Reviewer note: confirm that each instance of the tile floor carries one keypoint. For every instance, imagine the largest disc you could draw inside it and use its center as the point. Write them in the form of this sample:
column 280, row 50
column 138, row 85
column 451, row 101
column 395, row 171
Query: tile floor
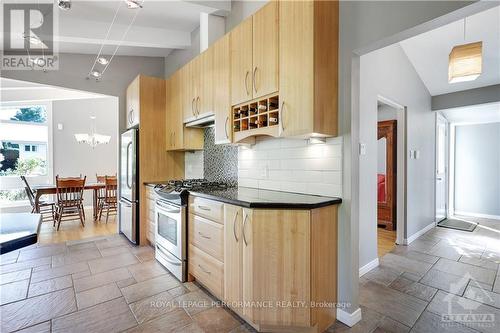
column 105, row 285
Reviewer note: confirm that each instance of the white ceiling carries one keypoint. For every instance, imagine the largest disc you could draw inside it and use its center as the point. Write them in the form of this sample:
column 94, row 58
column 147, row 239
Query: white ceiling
column 159, row 27
column 477, row 114
column 14, row 91
column 429, row 52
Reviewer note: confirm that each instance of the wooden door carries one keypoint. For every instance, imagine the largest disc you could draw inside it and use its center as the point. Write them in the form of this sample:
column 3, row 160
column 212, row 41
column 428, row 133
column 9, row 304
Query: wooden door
column 247, row 260
column 169, row 114
column 265, row 50
column 241, row 62
column 276, row 265
column 133, row 103
column 196, row 78
column 221, row 92
column 296, row 66
column 386, row 209
column 233, row 266
column 177, row 118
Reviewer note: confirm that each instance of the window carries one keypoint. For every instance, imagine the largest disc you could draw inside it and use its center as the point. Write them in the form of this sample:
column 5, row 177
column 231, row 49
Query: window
column 25, row 131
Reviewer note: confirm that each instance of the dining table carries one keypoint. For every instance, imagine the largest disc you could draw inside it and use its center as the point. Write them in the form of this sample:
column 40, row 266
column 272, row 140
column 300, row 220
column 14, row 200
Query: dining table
column 52, row 189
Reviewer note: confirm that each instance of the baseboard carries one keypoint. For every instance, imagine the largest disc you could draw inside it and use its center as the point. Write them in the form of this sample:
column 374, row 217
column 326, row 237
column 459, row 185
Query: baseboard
column 486, row 216
column 419, row 233
column 350, row 319
column 368, row 267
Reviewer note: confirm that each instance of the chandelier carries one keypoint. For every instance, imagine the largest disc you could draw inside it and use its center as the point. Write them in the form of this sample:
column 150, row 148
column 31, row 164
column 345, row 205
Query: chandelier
column 93, row 139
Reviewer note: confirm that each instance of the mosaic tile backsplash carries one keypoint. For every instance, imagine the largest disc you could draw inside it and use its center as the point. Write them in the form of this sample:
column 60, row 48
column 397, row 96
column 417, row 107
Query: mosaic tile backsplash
column 220, row 162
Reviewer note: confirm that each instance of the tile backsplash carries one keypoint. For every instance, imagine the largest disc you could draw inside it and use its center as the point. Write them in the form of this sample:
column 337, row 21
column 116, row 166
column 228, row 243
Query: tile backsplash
column 292, row 166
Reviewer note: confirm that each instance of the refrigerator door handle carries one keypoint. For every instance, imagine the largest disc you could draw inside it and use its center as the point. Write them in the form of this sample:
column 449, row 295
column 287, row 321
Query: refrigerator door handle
column 127, row 176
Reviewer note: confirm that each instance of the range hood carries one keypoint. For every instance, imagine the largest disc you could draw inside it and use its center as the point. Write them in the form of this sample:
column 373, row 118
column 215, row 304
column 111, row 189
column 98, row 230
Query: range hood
column 202, row 121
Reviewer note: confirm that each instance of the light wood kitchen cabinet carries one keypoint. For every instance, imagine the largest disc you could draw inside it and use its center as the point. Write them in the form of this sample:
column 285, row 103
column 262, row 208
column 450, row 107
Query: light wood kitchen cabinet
column 308, row 68
column 222, row 91
column 241, row 62
column 133, row 104
column 150, row 215
column 177, row 136
column 205, row 98
column 187, row 93
column 233, row 247
column 254, row 55
column 265, row 26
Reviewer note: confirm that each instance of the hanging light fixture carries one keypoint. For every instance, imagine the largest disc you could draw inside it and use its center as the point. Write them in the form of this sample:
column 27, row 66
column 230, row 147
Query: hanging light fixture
column 465, row 61
column 64, row 4
column 92, row 139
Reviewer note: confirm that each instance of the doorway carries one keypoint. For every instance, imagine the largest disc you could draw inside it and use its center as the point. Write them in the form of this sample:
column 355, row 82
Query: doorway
column 441, row 168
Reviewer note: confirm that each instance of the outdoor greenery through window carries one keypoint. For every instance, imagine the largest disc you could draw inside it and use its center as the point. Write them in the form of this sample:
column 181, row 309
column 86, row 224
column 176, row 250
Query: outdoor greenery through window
column 24, row 134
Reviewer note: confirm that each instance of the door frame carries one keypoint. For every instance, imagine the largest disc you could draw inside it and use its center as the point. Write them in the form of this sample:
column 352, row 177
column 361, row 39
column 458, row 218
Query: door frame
column 401, row 166
column 439, row 117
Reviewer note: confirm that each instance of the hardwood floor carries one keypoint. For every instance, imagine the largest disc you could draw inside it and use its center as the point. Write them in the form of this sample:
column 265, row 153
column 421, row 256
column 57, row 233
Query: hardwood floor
column 73, row 230
column 386, row 241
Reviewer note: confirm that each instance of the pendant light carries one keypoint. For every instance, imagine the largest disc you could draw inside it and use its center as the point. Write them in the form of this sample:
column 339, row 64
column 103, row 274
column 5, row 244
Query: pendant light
column 465, row 61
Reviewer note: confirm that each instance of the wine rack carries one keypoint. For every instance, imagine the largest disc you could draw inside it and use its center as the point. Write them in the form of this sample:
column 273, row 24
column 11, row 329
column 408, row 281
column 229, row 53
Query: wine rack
column 257, row 117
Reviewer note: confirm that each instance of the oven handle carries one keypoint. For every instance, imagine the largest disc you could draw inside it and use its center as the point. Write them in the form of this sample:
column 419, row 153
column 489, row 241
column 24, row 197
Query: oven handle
column 163, row 253
column 167, row 208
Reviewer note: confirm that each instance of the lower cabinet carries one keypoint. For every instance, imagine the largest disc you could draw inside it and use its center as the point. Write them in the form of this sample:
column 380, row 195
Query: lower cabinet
column 150, row 215
column 279, row 266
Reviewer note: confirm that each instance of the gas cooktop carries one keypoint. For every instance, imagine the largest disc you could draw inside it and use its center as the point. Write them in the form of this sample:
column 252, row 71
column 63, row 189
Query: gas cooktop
column 177, row 191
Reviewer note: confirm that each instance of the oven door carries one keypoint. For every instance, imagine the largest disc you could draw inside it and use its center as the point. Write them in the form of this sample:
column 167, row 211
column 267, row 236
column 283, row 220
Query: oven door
column 171, row 228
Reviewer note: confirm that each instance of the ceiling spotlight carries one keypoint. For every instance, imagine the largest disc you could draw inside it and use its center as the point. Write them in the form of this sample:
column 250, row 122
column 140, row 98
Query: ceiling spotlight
column 64, row 4
column 102, row 61
column 133, row 4
column 95, row 74
column 38, row 61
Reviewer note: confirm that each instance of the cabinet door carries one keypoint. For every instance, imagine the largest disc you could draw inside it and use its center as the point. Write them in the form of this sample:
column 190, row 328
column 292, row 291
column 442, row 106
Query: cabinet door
column 296, row 66
column 276, row 265
column 196, row 78
column 177, row 120
column 206, row 82
column 169, row 115
column 241, row 62
column 133, row 103
column 186, row 93
column 221, row 93
column 233, row 289
column 265, row 50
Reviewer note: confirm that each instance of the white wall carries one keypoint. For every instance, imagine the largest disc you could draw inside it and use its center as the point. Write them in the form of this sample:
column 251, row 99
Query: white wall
column 72, row 158
column 477, row 169
column 388, row 72
column 292, row 166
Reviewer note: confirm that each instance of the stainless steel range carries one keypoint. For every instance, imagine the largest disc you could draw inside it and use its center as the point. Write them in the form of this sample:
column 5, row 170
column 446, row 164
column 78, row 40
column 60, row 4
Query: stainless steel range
column 171, row 222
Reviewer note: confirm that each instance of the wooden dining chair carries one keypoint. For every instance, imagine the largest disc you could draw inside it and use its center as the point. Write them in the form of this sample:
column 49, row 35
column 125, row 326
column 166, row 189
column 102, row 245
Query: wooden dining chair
column 101, row 193
column 46, row 207
column 110, row 197
column 69, row 192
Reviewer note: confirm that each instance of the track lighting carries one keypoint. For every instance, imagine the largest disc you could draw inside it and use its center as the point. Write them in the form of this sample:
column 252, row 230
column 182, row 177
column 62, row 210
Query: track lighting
column 102, row 61
column 95, row 74
column 64, row 4
column 133, row 4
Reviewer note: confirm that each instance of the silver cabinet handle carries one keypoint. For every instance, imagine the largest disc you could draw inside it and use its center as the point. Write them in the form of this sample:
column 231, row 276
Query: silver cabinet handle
column 225, row 127
column 282, row 111
column 127, row 161
column 234, row 226
column 204, row 271
column 131, row 116
column 202, row 235
column 253, row 79
column 198, row 102
column 246, row 82
column 243, row 229
column 193, row 107
column 204, row 208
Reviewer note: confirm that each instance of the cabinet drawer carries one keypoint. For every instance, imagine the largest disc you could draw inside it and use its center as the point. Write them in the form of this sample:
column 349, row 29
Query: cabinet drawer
column 209, row 209
column 207, row 270
column 207, row 235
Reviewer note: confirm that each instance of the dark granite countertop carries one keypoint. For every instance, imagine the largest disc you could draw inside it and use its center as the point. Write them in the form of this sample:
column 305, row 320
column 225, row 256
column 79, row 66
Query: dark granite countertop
column 153, row 183
column 256, row 198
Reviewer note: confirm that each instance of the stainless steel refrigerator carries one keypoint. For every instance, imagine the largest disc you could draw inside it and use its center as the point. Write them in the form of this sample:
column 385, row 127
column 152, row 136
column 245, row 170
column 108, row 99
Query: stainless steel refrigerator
column 129, row 185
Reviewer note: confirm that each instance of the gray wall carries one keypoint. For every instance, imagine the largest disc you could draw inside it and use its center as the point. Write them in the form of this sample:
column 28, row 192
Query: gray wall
column 73, row 69
column 476, row 96
column 477, row 169
column 389, row 73
column 178, row 58
column 72, row 158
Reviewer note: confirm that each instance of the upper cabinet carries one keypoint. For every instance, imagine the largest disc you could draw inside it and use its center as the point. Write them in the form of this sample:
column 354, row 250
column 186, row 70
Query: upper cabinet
column 221, row 90
column 133, row 104
column 254, row 55
column 308, row 68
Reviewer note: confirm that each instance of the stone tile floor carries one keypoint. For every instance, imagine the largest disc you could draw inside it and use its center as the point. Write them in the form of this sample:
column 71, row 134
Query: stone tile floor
column 106, row 285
